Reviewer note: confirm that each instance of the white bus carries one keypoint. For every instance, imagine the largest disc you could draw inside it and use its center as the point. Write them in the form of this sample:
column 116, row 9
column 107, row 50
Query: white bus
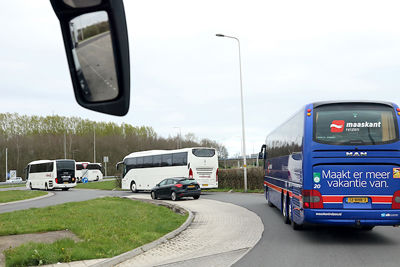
column 92, row 171
column 51, row 174
column 143, row 170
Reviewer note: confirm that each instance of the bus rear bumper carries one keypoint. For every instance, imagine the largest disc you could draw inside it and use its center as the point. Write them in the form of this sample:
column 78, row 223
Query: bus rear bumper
column 352, row 217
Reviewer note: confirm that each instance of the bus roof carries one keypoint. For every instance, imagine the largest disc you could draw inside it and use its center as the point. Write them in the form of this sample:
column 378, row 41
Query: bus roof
column 321, row 103
column 46, row 161
column 159, row 152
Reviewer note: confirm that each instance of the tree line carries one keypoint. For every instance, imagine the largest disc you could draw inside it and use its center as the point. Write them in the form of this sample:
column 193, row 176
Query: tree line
column 29, row 138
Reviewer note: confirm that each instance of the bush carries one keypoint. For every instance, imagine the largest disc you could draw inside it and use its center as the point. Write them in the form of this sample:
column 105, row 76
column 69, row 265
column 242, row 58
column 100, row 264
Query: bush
column 233, row 178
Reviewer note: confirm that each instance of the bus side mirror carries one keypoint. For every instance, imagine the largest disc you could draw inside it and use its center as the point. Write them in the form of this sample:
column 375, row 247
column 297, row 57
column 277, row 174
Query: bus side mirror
column 261, row 155
column 96, row 43
column 118, row 164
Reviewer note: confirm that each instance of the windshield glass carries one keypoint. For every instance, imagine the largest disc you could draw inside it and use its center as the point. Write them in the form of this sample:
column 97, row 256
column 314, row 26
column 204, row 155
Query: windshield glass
column 187, row 181
column 93, row 167
column 355, row 124
column 205, row 153
column 65, row 165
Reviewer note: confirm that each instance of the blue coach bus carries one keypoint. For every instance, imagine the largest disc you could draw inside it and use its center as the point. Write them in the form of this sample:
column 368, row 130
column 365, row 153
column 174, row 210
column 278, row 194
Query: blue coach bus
column 336, row 163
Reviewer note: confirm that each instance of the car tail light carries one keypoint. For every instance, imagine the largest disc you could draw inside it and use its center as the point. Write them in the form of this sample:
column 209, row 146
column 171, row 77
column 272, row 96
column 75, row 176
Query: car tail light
column 217, row 175
column 190, row 173
column 179, row 185
column 56, row 180
column 396, row 200
column 312, row 199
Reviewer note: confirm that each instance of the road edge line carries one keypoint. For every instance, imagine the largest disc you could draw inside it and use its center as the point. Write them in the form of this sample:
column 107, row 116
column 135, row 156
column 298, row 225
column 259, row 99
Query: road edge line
column 49, row 194
column 137, row 251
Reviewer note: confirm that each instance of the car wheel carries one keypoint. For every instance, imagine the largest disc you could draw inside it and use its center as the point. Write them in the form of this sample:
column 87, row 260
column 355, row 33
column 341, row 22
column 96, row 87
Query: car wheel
column 153, row 195
column 174, row 197
column 285, row 209
column 196, row 197
column 133, row 187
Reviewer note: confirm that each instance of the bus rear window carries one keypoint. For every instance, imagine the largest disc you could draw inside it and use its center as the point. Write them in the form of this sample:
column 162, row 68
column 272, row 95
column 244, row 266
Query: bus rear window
column 65, row 165
column 204, row 153
column 355, row 124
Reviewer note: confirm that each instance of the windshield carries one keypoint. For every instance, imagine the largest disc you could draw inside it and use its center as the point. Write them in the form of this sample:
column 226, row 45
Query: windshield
column 355, row 124
column 204, row 153
column 65, row 165
column 93, row 167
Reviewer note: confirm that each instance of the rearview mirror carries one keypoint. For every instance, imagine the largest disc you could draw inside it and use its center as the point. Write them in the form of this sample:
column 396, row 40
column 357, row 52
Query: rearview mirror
column 96, row 43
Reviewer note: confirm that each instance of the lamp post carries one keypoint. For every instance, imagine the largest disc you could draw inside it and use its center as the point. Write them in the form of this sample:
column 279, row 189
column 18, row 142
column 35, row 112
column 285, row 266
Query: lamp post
column 242, row 109
column 179, row 142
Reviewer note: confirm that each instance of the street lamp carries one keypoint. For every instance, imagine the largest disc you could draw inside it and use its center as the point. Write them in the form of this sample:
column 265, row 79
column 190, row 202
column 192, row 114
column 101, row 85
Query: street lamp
column 241, row 102
column 179, row 142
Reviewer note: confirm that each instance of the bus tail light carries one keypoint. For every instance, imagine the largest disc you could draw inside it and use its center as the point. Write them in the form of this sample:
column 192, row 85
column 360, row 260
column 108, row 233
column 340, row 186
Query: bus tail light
column 217, row 175
column 179, row 185
column 312, row 199
column 396, row 200
column 56, row 180
column 190, row 173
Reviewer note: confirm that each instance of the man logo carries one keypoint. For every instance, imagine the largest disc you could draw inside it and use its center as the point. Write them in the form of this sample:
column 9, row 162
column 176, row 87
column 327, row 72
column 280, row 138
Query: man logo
column 337, row 126
column 356, row 154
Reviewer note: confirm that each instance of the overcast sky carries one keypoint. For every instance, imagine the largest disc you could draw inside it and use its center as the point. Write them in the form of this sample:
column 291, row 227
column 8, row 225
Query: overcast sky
column 293, row 53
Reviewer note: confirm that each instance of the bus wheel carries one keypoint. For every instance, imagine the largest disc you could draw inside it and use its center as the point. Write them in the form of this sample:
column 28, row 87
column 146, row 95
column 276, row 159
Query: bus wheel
column 269, row 203
column 46, row 187
column 153, row 195
column 296, row 226
column 65, row 189
column 367, row 227
column 30, row 186
column 285, row 209
column 174, row 197
column 133, row 187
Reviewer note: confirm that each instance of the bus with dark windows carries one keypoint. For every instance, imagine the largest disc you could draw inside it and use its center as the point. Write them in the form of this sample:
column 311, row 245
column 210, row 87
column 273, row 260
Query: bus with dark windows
column 336, row 163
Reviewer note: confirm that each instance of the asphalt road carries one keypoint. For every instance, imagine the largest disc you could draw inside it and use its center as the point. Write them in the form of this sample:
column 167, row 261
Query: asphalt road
column 280, row 245
column 97, row 62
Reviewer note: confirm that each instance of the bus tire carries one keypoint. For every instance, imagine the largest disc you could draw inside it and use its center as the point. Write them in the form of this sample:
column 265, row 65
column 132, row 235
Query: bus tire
column 46, row 188
column 269, row 203
column 30, row 186
column 133, row 187
column 367, row 227
column 285, row 213
column 153, row 195
column 64, row 189
column 174, row 197
column 296, row 226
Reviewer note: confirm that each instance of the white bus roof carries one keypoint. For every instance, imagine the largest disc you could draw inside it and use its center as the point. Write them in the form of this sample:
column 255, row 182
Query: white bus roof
column 159, row 152
column 45, row 161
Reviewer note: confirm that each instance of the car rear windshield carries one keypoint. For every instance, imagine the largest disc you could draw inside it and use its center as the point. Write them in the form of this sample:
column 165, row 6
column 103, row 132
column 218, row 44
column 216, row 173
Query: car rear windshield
column 187, row 181
column 204, row 153
column 355, row 124
column 65, row 165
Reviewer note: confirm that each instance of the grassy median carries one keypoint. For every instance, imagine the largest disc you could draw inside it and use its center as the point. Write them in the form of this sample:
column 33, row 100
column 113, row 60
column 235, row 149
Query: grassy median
column 12, row 185
column 15, row 195
column 106, row 185
column 106, row 226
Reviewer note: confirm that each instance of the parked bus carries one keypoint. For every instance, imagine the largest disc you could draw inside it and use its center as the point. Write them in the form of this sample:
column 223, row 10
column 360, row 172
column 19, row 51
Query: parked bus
column 336, row 163
column 143, row 170
column 92, row 171
column 51, row 174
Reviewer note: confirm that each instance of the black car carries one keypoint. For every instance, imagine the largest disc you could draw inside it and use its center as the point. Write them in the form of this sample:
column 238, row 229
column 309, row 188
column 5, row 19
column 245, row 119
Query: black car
column 175, row 188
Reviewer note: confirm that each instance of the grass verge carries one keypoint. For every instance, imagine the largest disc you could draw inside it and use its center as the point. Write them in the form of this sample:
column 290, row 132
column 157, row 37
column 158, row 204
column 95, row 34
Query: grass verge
column 12, row 185
column 106, row 185
column 15, row 195
column 234, row 190
column 106, row 226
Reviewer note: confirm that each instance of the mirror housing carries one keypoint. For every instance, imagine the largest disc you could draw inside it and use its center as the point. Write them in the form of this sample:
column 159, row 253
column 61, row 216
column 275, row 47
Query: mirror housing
column 118, row 105
column 263, row 153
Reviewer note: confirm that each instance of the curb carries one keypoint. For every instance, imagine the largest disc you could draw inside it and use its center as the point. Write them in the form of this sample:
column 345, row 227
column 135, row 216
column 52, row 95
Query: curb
column 137, row 251
column 49, row 194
